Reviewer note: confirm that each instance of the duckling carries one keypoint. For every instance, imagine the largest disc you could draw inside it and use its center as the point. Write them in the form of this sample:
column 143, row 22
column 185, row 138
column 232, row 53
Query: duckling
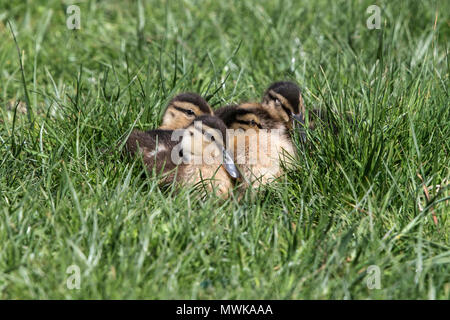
column 193, row 155
column 179, row 113
column 258, row 141
column 281, row 106
column 182, row 109
column 283, row 101
column 247, row 116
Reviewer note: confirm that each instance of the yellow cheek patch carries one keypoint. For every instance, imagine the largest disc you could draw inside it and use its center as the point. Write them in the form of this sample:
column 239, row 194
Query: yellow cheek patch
column 248, row 117
column 174, row 119
column 249, row 120
column 250, row 105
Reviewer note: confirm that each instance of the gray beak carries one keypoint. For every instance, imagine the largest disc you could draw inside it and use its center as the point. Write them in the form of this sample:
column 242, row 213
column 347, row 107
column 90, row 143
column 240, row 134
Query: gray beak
column 298, row 117
column 229, row 165
column 298, row 122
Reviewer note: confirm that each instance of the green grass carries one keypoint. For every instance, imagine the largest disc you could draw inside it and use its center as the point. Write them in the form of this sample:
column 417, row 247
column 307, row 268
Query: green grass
column 354, row 199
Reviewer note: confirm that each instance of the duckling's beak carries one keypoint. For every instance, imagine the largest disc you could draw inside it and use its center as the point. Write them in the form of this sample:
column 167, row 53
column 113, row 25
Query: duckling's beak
column 298, row 117
column 298, row 122
column 229, row 165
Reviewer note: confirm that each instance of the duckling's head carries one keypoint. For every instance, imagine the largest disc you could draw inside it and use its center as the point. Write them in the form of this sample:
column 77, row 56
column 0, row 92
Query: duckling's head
column 183, row 109
column 283, row 101
column 248, row 116
column 204, row 140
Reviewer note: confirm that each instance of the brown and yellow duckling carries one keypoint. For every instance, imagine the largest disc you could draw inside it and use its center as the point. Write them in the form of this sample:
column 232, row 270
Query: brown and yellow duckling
column 283, row 101
column 193, row 155
column 156, row 144
column 258, row 142
column 269, row 123
column 182, row 110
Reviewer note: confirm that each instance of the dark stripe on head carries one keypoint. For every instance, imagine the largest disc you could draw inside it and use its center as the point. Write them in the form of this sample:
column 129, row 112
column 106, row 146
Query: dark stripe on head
column 249, row 123
column 290, row 91
column 236, row 114
column 285, row 108
column 194, row 99
column 188, row 112
column 230, row 113
column 214, row 123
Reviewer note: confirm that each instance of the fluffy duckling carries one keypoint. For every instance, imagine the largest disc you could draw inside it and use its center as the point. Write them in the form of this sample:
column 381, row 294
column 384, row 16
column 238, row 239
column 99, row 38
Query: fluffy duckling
column 281, row 106
column 196, row 154
column 283, row 101
column 182, row 110
column 259, row 142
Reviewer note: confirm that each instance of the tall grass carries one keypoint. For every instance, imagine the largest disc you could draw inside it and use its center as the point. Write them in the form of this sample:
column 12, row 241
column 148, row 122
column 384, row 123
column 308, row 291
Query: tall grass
column 375, row 193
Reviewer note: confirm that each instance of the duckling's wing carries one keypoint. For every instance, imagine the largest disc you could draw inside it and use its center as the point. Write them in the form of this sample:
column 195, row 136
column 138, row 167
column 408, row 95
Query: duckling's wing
column 155, row 146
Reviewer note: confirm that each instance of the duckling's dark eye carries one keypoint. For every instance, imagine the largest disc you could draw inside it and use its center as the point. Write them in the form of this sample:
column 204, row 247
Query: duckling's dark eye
column 252, row 123
column 189, row 112
column 212, row 138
